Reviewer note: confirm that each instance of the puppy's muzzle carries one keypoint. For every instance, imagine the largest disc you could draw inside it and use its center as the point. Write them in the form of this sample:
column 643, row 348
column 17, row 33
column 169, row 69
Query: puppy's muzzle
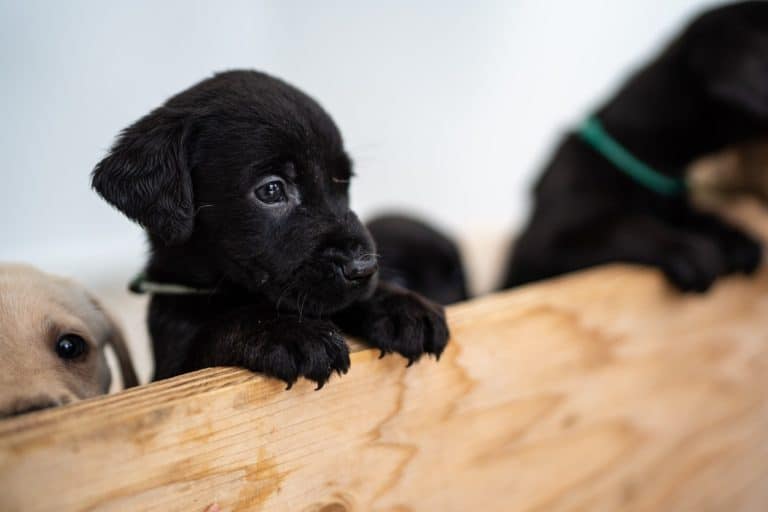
column 31, row 404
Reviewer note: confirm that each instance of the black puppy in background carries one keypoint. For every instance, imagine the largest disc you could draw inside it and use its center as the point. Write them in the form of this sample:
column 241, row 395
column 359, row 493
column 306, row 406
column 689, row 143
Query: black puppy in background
column 241, row 183
column 707, row 90
column 416, row 256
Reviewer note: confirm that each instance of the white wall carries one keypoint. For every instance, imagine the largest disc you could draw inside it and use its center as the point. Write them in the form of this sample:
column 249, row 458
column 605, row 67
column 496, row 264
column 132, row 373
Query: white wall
column 448, row 108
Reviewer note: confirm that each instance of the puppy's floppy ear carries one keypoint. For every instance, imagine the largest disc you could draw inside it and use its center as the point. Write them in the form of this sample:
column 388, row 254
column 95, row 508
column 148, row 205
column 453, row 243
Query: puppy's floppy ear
column 744, row 86
column 105, row 328
column 732, row 69
column 127, row 370
column 116, row 339
column 146, row 175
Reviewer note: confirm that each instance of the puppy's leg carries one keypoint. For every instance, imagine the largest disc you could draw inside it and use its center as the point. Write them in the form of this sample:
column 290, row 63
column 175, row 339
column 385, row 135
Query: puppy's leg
column 689, row 259
column 397, row 320
column 742, row 253
column 284, row 347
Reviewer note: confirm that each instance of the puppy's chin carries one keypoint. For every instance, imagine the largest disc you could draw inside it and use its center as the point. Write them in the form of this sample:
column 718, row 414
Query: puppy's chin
column 321, row 298
column 366, row 290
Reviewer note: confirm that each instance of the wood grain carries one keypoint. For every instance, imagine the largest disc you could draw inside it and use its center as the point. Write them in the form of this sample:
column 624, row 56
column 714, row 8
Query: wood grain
column 602, row 391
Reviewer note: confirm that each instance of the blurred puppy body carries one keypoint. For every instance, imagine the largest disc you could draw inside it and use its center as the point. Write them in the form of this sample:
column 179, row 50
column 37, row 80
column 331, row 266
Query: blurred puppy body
column 52, row 338
column 707, row 90
column 241, row 183
column 416, row 256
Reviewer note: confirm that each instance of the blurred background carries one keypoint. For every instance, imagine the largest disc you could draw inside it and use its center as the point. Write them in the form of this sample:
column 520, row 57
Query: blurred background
column 448, row 108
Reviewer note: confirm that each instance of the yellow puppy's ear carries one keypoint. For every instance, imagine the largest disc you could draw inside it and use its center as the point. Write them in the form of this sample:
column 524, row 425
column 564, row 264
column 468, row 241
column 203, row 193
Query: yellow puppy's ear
column 116, row 339
column 127, row 370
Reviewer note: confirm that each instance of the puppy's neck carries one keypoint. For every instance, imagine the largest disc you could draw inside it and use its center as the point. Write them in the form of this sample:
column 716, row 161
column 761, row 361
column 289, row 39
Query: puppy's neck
column 187, row 265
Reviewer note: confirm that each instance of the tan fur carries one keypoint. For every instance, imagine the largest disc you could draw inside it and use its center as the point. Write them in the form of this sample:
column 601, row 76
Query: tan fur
column 35, row 310
column 741, row 169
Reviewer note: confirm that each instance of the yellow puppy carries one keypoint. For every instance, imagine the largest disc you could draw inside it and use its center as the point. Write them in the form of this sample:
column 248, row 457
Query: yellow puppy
column 52, row 339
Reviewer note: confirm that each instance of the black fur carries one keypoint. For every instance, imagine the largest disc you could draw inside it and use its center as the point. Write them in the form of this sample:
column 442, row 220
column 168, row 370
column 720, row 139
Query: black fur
column 286, row 274
column 707, row 90
column 416, row 256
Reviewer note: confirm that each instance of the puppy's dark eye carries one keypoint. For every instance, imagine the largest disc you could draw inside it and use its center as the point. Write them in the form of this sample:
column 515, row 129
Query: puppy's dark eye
column 271, row 193
column 71, row 346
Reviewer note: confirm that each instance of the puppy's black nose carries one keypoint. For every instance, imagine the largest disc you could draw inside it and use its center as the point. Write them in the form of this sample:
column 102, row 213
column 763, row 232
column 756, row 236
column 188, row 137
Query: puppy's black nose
column 359, row 268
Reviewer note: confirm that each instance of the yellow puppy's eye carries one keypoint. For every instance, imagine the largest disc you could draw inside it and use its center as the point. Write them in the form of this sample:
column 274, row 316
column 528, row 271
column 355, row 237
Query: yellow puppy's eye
column 71, row 346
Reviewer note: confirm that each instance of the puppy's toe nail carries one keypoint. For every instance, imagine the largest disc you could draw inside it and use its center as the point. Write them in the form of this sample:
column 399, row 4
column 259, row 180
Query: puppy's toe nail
column 289, row 386
column 382, row 354
column 411, row 360
column 320, row 385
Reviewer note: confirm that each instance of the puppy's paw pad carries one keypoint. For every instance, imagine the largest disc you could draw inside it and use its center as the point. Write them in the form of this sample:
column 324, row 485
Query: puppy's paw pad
column 313, row 350
column 323, row 355
column 277, row 361
column 409, row 325
column 744, row 254
column 686, row 277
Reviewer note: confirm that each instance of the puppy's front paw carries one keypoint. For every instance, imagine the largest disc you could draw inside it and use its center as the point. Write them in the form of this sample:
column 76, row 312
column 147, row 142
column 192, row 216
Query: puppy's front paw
column 312, row 349
column 397, row 320
column 710, row 248
column 743, row 254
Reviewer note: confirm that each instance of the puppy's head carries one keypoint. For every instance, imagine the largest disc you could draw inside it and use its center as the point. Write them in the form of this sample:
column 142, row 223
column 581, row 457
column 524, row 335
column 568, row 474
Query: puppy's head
column 418, row 257
column 52, row 336
column 723, row 51
column 707, row 90
column 247, row 177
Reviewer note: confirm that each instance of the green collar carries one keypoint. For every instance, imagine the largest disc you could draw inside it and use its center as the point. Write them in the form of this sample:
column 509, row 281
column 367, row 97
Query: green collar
column 593, row 133
column 140, row 284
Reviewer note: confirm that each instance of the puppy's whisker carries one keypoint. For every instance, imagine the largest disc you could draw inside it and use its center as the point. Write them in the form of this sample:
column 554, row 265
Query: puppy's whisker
column 281, row 297
column 302, row 302
column 283, row 294
column 197, row 210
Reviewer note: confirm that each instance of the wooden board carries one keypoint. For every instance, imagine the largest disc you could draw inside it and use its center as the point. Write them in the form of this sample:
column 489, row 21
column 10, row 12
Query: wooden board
column 602, row 391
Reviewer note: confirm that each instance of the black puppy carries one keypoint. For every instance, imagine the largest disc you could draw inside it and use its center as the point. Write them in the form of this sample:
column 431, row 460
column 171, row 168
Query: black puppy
column 416, row 256
column 242, row 185
column 614, row 192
